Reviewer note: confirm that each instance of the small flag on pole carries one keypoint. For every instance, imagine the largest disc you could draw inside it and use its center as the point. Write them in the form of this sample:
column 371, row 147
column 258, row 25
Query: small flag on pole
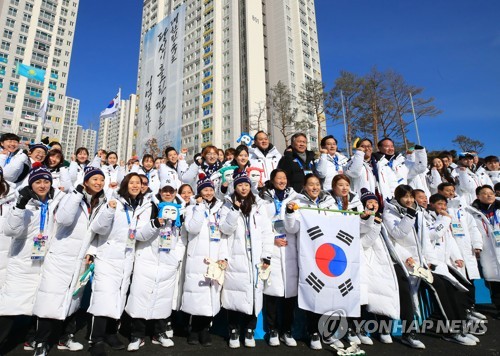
column 42, row 113
column 113, row 106
column 30, row 72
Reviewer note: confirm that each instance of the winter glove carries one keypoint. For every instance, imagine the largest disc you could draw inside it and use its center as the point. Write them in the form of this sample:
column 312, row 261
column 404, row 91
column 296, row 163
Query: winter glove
column 411, row 212
column 25, row 195
column 418, row 147
column 197, row 159
column 79, row 188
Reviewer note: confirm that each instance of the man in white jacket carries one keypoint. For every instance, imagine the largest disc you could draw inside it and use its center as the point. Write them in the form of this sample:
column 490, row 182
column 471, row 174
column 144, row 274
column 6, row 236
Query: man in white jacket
column 468, row 181
column 264, row 155
column 331, row 162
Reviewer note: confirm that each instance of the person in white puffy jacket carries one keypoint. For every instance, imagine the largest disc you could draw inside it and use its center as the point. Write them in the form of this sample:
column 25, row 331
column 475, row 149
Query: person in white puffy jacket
column 467, row 180
column 113, row 173
column 30, row 224
column 264, row 155
column 78, row 163
column 492, row 168
column 201, row 295
column 148, row 169
column 125, row 220
column 283, row 288
column 362, row 168
column 248, row 229
column 176, row 162
column 7, row 200
column 66, row 260
column 330, row 162
column 60, row 175
column 311, row 196
column 13, row 160
column 156, row 271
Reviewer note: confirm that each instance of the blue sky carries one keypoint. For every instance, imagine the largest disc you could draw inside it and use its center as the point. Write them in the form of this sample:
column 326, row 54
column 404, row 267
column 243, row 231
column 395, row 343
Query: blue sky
column 451, row 48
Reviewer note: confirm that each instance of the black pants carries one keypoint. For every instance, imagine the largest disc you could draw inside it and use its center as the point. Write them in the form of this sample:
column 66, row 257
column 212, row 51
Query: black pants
column 271, row 312
column 45, row 328
column 405, row 299
column 234, row 318
column 199, row 323
column 139, row 327
column 312, row 321
column 494, row 288
column 102, row 326
column 6, row 323
column 469, row 297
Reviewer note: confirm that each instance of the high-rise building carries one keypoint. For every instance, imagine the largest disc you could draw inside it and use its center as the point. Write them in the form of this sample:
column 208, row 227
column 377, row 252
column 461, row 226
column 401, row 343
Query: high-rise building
column 67, row 137
column 234, row 52
column 86, row 138
column 116, row 132
column 39, row 34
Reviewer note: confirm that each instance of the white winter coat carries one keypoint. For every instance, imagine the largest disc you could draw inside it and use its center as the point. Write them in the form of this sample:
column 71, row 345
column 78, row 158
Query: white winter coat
column 328, row 167
column 201, row 296
column 18, row 293
column 6, row 203
column 62, row 179
column 18, row 165
column 490, row 255
column 285, row 272
column 113, row 260
column 112, row 174
column 360, row 173
column 155, row 276
column 77, row 170
column 153, row 176
column 65, row 260
column 268, row 162
column 242, row 290
column 467, row 182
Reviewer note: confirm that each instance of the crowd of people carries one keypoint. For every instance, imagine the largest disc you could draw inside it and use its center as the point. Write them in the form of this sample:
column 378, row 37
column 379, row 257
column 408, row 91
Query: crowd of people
column 160, row 235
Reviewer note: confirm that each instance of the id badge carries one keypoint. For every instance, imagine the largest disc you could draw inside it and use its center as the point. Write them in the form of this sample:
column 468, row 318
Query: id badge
column 165, row 240
column 279, row 229
column 214, row 232
column 306, row 172
column 131, row 239
column 496, row 235
column 39, row 247
column 457, row 229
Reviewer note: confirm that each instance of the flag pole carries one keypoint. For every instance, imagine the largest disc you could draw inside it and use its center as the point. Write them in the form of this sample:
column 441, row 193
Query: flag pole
column 335, row 211
column 414, row 118
column 345, row 124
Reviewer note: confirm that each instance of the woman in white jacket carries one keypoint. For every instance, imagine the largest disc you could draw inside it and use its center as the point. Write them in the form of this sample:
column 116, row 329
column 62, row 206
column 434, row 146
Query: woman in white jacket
column 60, row 174
column 311, row 196
column 125, row 219
column 331, row 162
column 7, row 200
column 156, row 269
column 250, row 246
column 201, row 295
column 30, row 224
column 285, row 276
column 66, row 260
column 113, row 173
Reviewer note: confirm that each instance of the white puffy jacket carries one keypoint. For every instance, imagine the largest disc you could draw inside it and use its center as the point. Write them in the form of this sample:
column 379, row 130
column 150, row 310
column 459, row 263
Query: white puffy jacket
column 328, row 167
column 6, row 203
column 153, row 176
column 268, row 162
column 242, row 290
column 201, row 296
column 361, row 174
column 65, row 260
column 18, row 293
column 17, row 168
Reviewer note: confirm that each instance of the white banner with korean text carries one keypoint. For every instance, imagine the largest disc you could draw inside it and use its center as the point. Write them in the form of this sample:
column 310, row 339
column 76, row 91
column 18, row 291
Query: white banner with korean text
column 161, row 86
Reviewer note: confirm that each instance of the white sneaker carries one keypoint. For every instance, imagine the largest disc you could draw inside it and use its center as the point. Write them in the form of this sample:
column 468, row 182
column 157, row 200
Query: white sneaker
column 333, row 341
column 477, row 314
column 472, row 337
column 234, row 340
column 249, row 340
column 315, row 342
column 476, row 327
column 364, row 338
column 460, row 339
column 352, row 337
column 135, row 344
column 29, row 346
column 274, row 339
column 386, row 338
column 412, row 341
column 169, row 331
column 288, row 339
column 163, row 340
column 69, row 344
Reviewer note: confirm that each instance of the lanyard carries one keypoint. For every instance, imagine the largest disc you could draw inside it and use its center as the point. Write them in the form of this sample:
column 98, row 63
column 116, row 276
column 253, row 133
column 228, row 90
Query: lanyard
column 458, row 214
column 301, row 165
column 44, row 210
column 216, row 216
column 336, row 162
column 128, row 216
column 278, row 204
column 9, row 157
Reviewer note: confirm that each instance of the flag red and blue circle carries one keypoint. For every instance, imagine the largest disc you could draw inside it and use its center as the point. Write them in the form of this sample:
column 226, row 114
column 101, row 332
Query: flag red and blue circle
column 331, row 260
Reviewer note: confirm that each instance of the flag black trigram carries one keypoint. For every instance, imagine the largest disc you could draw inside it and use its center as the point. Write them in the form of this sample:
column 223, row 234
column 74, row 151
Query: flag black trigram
column 315, row 232
column 346, row 287
column 345, row 237
column 315, row 282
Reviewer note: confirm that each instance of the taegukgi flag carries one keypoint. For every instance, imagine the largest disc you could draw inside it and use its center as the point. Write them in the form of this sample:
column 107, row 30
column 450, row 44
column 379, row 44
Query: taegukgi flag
column 112, row 107
column 329, row 262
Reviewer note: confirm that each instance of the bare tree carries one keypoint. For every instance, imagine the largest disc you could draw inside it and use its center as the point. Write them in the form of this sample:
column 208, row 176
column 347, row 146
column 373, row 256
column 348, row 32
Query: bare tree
column 312, row 101
column 261, row 122
column 283, row 111
column 468, row 144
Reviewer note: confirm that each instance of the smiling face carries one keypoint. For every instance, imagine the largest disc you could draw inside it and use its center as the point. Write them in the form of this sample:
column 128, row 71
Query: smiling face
column 172, row 157
column 242, row 159
column 94, row 184
column 280, row 181
column 148, row 163
column 243, row 189
column 313, row 187
column 407, row 201
column 207, row 193
column 421, row 199
column 186, row 193
column 262, row 141
column 144, row 185
column 467, row 161
column 82, row 156
column 134, row 186
column 54, row 160
column 330, row 146
column 438, row 163
column 367, row 147
column 387, row 147
column 167, row 194
column 38, row 154
column 10, row 145
column 211, row 156
column 448, row 192
column 299, row 144
column 112, row 159
column 341, row 188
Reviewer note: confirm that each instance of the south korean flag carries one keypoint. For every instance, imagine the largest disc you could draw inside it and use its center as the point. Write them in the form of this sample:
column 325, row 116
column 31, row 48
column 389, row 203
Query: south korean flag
column 329, row 263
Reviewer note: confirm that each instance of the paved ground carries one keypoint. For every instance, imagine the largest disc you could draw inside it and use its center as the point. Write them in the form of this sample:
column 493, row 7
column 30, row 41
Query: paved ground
column 490, row 345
